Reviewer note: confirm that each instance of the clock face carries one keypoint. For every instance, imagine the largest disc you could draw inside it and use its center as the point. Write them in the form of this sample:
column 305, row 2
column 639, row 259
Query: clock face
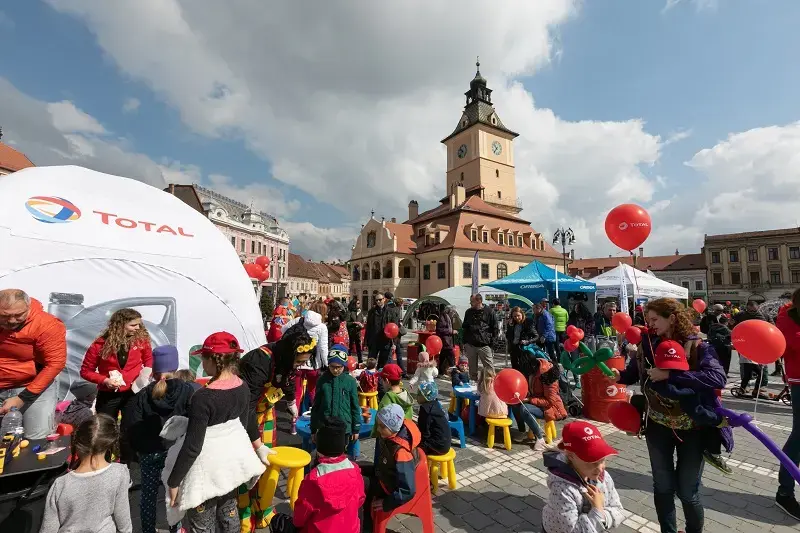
column 462, row 151
column 497, row 148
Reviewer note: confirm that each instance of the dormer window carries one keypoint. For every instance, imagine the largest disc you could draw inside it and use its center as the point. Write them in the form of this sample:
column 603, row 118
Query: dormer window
column 485, row 236
column 371, row 239
column 473, row 235
column 519, row 241
column 501, row 239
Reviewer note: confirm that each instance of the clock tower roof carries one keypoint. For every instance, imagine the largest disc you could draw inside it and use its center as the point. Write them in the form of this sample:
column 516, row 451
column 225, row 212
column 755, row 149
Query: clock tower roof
column 479, row 108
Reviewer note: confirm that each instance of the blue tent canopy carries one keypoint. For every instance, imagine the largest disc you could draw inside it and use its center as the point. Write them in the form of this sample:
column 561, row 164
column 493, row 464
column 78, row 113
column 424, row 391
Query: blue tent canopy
column 537, row 280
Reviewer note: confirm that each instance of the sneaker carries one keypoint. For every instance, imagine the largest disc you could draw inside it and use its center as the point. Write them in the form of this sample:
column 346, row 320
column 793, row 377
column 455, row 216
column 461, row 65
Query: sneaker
column 718, row 462
column 789, row 505
column 539, row 445
column 522, row 439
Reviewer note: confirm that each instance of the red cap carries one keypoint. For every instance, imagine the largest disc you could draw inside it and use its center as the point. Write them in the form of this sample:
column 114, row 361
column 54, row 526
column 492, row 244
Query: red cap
column 392, row 372
column 584, row 440
column 217, row 343
column 670, row 355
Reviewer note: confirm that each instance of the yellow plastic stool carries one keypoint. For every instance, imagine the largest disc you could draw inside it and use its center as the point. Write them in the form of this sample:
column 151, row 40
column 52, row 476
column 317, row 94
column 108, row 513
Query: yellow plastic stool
column 550, row 432
column 370, row 398
column 295, row 460
column 494, row 423
column 445, row 464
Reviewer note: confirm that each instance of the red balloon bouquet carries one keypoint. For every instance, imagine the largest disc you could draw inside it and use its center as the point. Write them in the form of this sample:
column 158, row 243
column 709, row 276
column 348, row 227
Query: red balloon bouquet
column 576, row 335
column 633, row 335
column 628, row 226
column 263, row 261
column 699, row 305
column 759, row 341
column 511, row 386
column 352, row 363
column 621, row 322
column 570, row 329
column 391, row 330
column 570, row 345
column 625, row 417
column 433, row 345
column 256, row 271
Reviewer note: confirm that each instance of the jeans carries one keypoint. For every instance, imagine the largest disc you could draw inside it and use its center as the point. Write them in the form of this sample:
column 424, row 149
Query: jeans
column 152, row 464
column 529, row 413
column 484, row 353
column 682, row 479
column 38, row 418
column 792, row 446
column 383, row 354
column 112, row 404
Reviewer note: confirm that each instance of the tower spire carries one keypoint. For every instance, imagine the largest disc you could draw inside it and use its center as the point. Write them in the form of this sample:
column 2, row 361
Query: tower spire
column 478, row 64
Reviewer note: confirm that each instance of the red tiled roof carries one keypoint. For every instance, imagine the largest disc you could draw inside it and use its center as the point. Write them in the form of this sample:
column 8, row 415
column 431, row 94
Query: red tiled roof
column 473, row 204
column 688, row 262
column 13, row 160
column 405, row 237
column 654, row 263
column 300, row 268
column 749, row 234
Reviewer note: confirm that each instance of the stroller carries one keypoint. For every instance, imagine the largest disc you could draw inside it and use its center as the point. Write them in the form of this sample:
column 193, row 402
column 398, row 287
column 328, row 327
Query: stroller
column 572, row 403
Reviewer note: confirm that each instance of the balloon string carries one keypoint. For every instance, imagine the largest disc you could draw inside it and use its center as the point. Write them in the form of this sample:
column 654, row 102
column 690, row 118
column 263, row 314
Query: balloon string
column 758, row 390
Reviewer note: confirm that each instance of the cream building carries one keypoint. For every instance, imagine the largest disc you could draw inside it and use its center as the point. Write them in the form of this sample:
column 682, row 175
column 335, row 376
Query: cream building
column 434, row 250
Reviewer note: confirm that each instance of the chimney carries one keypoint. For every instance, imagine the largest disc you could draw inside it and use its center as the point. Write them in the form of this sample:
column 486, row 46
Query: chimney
column 461, row 194
column 394, row 220
column 641, row 252
column 413, row 209
column 172, row 189
column 572, row 254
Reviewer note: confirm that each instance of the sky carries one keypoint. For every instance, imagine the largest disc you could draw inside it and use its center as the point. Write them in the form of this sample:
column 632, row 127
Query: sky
column 688, row 108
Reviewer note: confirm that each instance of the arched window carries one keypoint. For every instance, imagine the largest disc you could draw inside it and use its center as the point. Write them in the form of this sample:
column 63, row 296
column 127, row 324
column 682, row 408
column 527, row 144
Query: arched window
column 388, row 271
column 356, row 274
column 365, row 300
column 376, row 270
column 502, row 270
column 365, row 272
column 371, row 239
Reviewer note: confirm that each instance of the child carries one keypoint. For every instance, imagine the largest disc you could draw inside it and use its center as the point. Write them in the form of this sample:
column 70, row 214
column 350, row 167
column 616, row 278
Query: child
column 391, row 480
column 368, row 379
column 79, row 409
column 459, row 375
column 490, row 406
column 432, row 421
column 671, row 356
column 426, row 371
column 143, row 421
column 391, row 379
column 332, row 493
column 582, row 494
column 94, row 495
column 212, row 455
column 189, row 377
column 337, row 396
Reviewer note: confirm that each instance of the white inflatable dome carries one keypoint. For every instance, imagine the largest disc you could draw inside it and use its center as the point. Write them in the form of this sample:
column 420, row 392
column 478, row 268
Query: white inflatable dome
column 86, row 244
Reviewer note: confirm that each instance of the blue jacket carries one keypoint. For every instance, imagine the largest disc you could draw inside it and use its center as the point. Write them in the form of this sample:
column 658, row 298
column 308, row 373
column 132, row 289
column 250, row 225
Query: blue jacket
column 546, row 327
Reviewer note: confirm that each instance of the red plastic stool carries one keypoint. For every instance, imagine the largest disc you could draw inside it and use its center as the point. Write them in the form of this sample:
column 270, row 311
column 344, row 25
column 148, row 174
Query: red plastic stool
column 420, row 506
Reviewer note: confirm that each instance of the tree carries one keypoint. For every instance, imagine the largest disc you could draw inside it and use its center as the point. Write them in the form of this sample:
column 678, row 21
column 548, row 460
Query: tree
column 267, row 305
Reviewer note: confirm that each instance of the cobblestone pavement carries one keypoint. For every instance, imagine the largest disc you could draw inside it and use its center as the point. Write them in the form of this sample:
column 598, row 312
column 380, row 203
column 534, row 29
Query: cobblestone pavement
column 503, row 491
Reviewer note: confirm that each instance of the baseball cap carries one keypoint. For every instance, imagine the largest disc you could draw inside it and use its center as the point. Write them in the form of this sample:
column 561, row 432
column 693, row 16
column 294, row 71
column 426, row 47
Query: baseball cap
column 218, row 343
column 584, row 440
column 392, row 372
column 670, row 355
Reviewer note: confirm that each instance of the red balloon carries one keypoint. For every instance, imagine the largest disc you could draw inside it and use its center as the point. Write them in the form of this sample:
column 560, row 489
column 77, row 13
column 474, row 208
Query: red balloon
column 633, row 335
column 759, row 341
column 628, row 226
column 263, row 261
column 621, row 322
column 570, row 329
column 728, row 303
column 433, row 345
column 625, row 417
column 576, row 335
column 699, row 305
column 570, row 345
column 511, row 386
column 391, row 330
column 254, row 271
column 352, row 363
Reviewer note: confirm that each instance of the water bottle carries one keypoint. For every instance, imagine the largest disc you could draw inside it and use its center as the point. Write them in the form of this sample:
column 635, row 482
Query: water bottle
column 12, row 422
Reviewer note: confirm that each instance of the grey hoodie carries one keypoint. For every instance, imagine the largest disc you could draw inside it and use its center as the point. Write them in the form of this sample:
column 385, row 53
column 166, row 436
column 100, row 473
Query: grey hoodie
column 318, row 330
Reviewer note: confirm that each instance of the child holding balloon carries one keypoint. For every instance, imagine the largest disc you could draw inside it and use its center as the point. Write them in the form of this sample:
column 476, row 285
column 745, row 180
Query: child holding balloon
column 490, row 406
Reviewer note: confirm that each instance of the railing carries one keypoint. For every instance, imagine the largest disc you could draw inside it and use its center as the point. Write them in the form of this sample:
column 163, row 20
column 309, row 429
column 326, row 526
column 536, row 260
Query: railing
column 511, row 202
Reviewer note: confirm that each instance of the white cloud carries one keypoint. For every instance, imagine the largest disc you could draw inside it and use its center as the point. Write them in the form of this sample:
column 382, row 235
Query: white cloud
column 131, row 105
column 677, row 136
column 69, row 119
column 699, row 5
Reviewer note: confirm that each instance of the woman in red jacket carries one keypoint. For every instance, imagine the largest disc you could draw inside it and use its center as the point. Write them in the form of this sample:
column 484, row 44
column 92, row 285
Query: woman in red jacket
column 788, row 322
column 544, row 399
column 123, row 347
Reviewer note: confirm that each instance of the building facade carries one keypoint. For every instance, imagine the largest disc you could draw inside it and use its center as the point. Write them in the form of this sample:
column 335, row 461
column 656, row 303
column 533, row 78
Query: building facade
column 435, row 249
column 309, row 280
column 12, row 160
column 755, row 265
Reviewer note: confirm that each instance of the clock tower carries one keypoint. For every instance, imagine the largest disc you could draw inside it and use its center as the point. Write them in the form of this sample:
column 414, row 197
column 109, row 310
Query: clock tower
column 480, row 152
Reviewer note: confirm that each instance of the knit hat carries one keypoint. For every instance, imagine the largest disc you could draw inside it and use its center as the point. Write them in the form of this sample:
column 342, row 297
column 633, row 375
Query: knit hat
column 392, row 372
column 332, row 437
column 392, row 417
column 338, row 355
column 165, row 359
column 463, row 360
column 424, row 357
column 429, row 390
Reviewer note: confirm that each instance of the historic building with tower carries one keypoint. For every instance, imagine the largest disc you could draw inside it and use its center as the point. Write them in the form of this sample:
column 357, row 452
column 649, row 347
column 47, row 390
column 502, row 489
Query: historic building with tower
column 434, row 249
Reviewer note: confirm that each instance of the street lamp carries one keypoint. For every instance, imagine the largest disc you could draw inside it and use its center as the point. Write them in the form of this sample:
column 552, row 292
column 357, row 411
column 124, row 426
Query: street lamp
column 567, row 238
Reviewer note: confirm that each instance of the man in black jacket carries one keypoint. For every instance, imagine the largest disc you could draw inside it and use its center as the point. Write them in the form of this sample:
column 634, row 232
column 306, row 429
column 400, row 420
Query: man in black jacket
column 480, row 329
column 355, row 323
column 378, row 344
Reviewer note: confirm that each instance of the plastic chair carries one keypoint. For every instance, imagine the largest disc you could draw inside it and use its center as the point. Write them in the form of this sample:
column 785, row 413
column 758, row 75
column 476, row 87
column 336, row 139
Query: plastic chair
column 368, row 398
column 457, row 427
column 421, row 505
column 446, row 465
column 494, row 423
column 295, row 460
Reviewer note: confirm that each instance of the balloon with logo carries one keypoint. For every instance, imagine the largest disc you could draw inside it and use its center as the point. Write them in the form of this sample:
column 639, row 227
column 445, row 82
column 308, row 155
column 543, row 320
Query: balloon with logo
column 391, row 330
column 263, row 261
column 628, row 226
column 699, row 305
column 759, row 341
column 621, row 322
column 433, row 345
column 352, row 363
column 510, row 386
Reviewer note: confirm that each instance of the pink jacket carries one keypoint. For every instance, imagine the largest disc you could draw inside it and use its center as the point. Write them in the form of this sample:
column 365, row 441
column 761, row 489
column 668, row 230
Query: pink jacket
column 330, row 497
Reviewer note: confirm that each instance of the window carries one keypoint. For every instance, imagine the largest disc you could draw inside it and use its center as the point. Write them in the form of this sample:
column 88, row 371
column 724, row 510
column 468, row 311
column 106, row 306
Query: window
column 485, row 236
column 233, row 241
column 752, row 255
column 755, row 277
column 252, row 247
column 736, row 278
column 406, row 272
column 242, row 245
column 775, row 277
column 473, row 235
column 466, row 269
column 715, row 257
column 484, row 270
column 685, row 284
column 426, row 272
column 499, row 195
column 420, row 232
column 440, row 271
column 501, row 239
column 795, row 276
column 462, row 176
column 773, row 254
column 733, row 256
column 502, row 270
column 259, row 248
column 519, row 241
column 794, row 252
column 371, row 239
column 698, row 285
column 496, row 173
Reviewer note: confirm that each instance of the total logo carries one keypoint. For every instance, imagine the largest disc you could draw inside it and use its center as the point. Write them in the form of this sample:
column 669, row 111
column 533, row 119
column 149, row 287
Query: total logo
column 624, row 225
column 613, row 390
column 672, row 352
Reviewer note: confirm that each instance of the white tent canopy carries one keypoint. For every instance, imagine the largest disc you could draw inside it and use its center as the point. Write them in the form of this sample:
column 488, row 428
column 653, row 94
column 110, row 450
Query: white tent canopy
column 459, row 297
column 638, row 282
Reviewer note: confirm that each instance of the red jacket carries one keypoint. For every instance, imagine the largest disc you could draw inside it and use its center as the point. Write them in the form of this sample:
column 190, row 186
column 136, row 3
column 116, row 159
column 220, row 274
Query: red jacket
column 330, row 497
column 789, row 325
column 42, row 342
column 279, row 318
column 96, row 369
column 546, row 397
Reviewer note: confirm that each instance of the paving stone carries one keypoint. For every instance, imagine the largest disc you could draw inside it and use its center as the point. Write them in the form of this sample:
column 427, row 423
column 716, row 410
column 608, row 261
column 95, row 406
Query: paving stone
column 514, row 504
column 478, row 520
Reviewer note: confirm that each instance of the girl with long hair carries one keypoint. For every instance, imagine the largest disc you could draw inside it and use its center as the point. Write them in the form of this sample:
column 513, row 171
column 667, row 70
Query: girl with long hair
column 667, row 428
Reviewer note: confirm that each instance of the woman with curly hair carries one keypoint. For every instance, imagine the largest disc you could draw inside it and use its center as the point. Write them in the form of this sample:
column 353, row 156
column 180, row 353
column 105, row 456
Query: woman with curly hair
column 667, row 428
column 543, row 401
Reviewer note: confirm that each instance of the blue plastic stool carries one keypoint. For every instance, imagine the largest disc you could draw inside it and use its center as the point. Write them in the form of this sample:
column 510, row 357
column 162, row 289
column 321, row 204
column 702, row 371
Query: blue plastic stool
column 457, row 427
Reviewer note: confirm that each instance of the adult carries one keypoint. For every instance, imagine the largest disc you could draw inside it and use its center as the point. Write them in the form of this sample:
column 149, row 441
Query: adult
column 314, row 322
column 788, row 322
column 280, row 316
column 355, row 323
column 560, row 318
column 712, row 316
column 445, row 331
column 33, row 351
column 582, row 318
column 480, row 329
column 667, row 427
column 545, row 327
column 395, row 308
column 379, row 345
column 337, row 327
column 749, row 369
column 719, row 336
column 602, row 324
column 521, row 331
column 543, row 401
